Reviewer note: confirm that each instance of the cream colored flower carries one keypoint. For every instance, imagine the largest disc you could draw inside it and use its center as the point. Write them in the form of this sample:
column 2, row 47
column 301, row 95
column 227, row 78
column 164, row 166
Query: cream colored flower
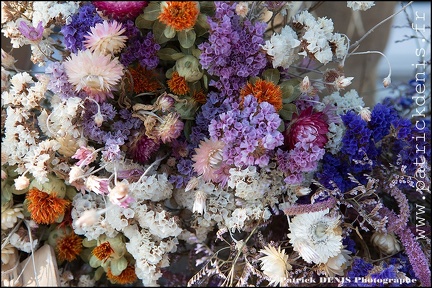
column 386, row 242
column 275, row 264
column 94, row 73
column 337, row 264
column 106, row 38
column 316, row 236
column 200, row 202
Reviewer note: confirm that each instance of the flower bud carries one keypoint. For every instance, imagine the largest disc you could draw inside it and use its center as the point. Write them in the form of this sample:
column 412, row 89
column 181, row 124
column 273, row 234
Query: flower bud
column 387, row 81
column 21, row 182
column 365, row 114
column 200, row 202
column 87, row 218
column 188, row 67
column 386, row 242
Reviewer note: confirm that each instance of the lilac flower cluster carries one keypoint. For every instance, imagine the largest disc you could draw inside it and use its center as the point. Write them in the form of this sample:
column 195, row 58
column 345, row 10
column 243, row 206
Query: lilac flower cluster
column 180, row 148
column 233, row 46
column 59, row 83
column 79, row 27
column 142, row 49
column 116, row 128
column 249, row 132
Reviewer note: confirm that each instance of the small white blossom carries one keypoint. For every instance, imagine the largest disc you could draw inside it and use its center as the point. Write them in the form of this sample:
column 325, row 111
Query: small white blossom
column 360, row 5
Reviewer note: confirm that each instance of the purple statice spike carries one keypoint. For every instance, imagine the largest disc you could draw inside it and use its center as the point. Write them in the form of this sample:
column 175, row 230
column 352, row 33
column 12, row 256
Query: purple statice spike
column 30, row 32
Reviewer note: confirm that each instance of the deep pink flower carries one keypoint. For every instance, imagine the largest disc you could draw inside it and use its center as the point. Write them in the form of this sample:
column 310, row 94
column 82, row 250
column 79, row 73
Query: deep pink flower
column 309, row 127
column 30, row 32
column 121, row 9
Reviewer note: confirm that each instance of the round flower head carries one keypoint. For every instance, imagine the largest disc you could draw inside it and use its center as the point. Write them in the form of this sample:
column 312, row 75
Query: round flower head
column 315, row 236
column 264, row 91
column 45, row 208
column 308, row 127
column 275, row 264
column 106, row 38
column 68, row 247
column 94, row 73
column 208, row 159
column 121, row 9
column 180, row 15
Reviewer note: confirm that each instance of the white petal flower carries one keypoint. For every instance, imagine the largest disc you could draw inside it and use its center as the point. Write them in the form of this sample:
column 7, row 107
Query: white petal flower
column 275, row 264
column 337, row 264
column 315, row 236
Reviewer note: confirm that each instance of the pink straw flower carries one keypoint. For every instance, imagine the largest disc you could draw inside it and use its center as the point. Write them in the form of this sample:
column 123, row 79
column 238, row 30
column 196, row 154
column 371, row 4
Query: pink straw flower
column 94, row 73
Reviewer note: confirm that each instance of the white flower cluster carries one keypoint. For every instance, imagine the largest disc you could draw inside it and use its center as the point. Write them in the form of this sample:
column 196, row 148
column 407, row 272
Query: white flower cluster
column 282, row 47
column 85, row 202
column 350, row 101
column 155, row 188
column 9, row 217
column 157, row 222
column 47, row 11
column 360, row 5
column 317, row 35
column 150, row 253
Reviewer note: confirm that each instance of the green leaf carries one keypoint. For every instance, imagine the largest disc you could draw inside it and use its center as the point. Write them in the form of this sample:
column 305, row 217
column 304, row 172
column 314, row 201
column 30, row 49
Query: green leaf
column 142, row 23
column 187, row 129
column 287, row 111
column 272, row 75
column 186, row 38
column 290, row 90
column 118, row 265
column 169, row 54
column 207, row 7
column 152, row 11
column 169, row 32
column 158, row 32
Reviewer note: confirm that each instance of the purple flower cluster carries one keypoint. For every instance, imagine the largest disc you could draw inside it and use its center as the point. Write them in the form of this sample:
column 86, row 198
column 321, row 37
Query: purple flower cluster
column 142, row 49
column 59, row 83
column 233, row 48
column 116, row 127
column 387, row 138
column 79, row 27
column 249, row 132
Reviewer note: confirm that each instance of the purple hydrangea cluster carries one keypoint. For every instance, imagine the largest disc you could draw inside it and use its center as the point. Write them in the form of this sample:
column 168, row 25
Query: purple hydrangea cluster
column 59, row 83
column 75, row 31
column 116, row 127
column 233, row 47
column 249, row 132
column 142, row 49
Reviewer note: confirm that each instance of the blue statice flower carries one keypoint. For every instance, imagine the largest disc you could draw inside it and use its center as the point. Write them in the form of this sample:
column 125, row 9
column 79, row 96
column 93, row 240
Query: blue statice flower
column 388, row 273
column 75, row 31
column 59, row 83
column 381, row 119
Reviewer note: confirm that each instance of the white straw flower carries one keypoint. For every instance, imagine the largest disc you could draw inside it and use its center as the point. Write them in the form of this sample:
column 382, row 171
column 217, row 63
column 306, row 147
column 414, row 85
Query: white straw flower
column 106, row 37
column 315, row 236
column 275, row 264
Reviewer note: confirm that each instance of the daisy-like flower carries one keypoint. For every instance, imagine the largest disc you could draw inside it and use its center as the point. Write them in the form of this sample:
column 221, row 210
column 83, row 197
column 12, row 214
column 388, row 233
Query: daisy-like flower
column 106, row 38
column 275, row 264
column 177, row 84
column 179, row 15
column 127, row 276
column 94, row 73
column 68, row 247
column 170, row 128
column 208, row 159
column 264, row 90
column 316, row 236
column 45, row 208
column 31, row 33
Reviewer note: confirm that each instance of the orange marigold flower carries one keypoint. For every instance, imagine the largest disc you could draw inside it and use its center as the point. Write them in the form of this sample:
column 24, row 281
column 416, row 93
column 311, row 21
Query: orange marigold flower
column 68, row 247
column 180, row 15
column 144, row 80
column 127, row 276
column 178, row 84
column 103, row 251
column 45, row 208
column 264, row 91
